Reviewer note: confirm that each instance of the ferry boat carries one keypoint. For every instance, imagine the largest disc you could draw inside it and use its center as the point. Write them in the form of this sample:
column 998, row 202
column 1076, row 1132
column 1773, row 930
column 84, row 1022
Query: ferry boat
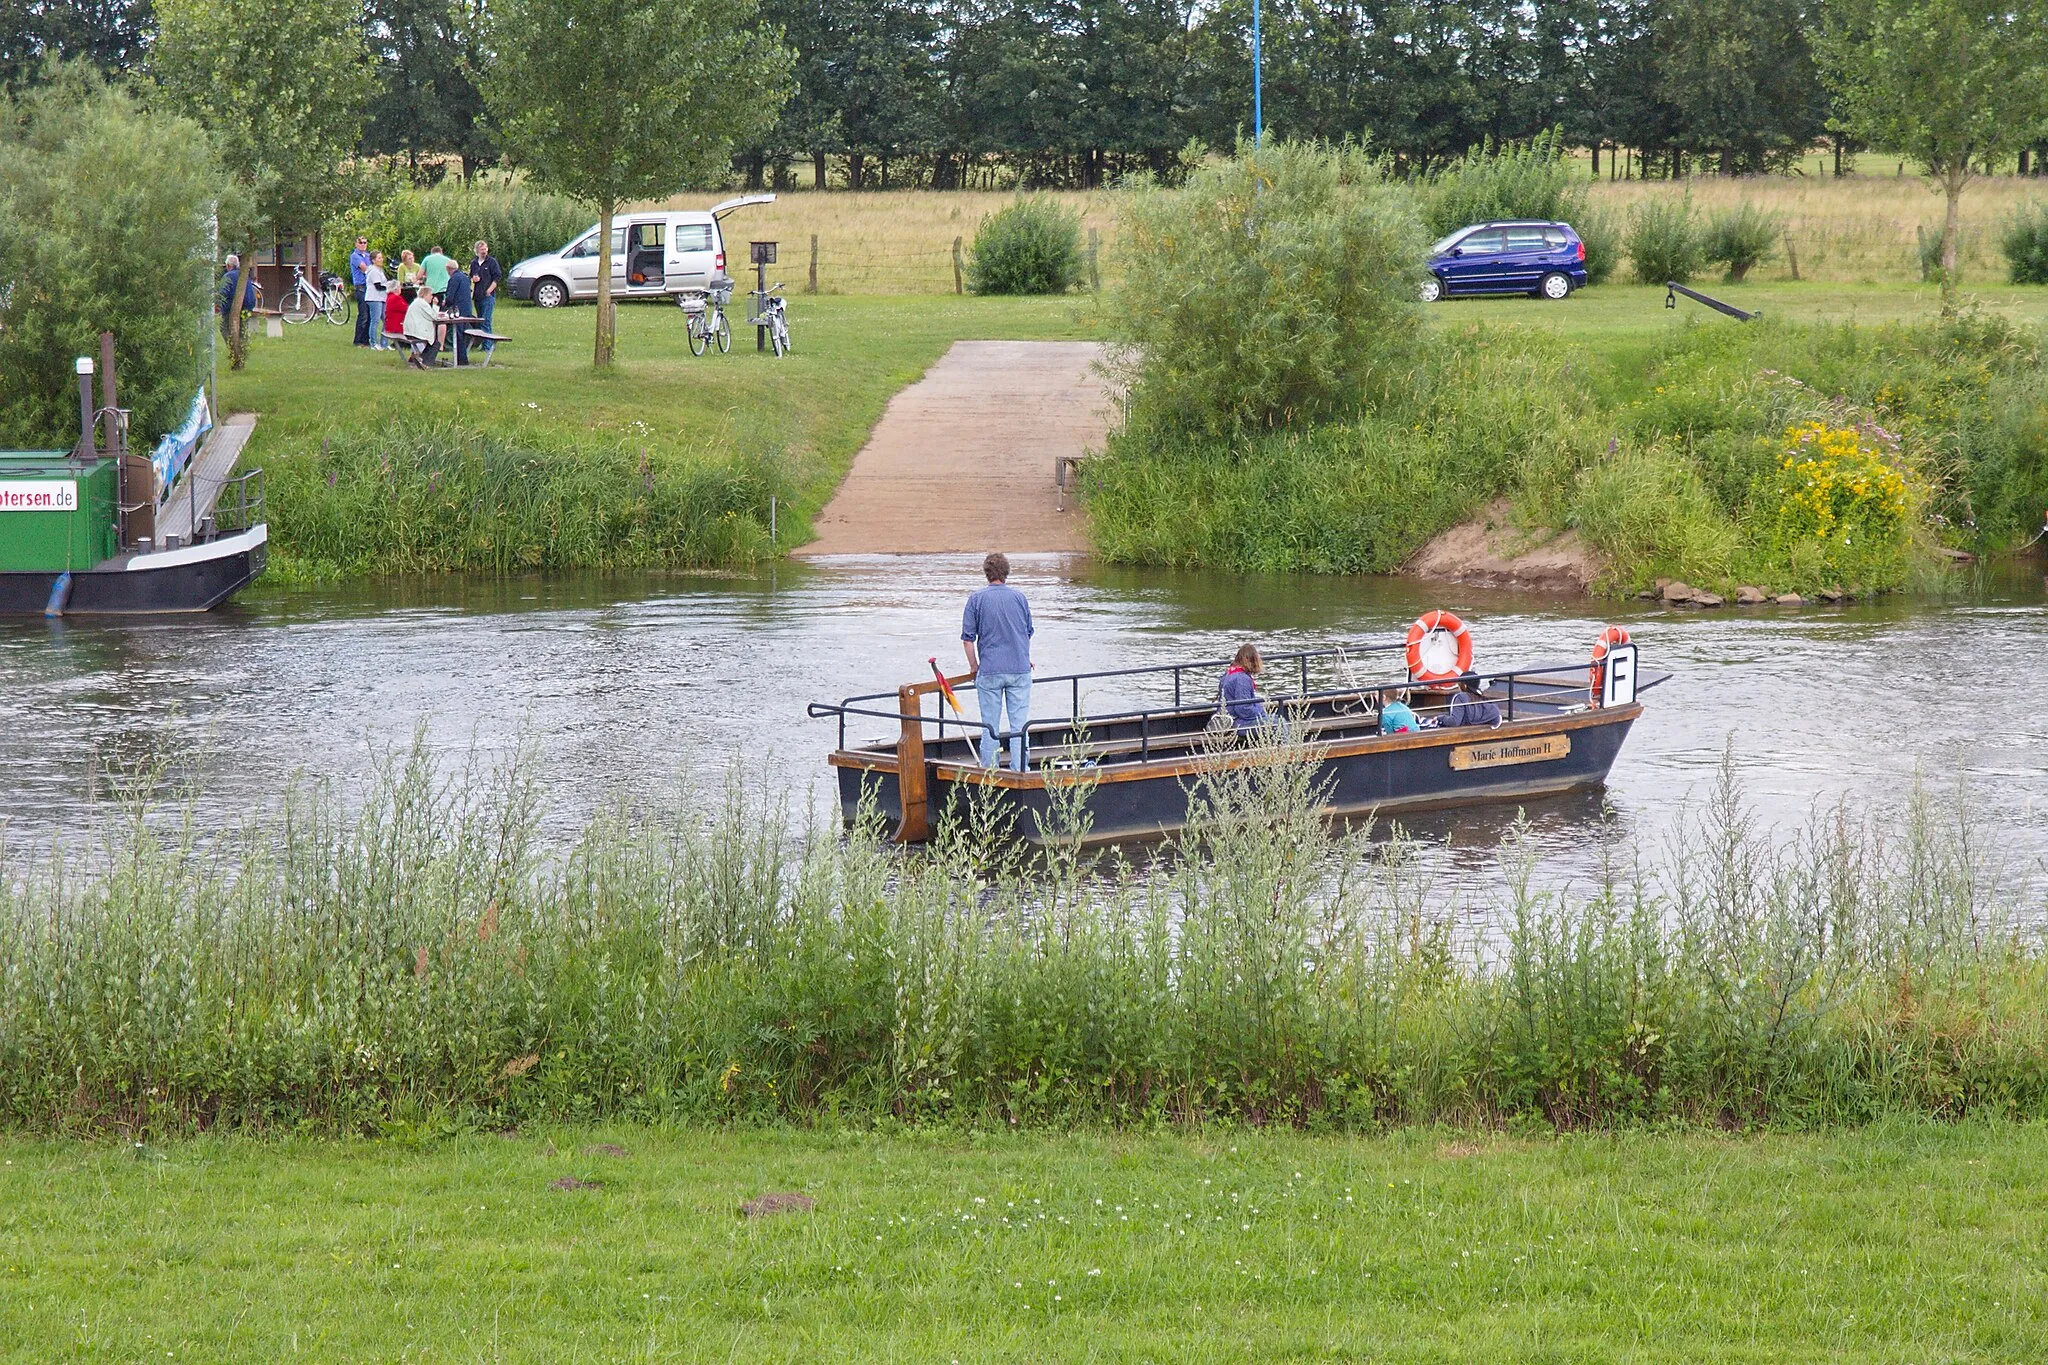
column 1561, row 728
column 102, row 529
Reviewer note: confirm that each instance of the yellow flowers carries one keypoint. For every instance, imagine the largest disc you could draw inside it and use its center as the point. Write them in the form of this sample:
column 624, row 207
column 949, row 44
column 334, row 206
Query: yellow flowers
column 1835, row 481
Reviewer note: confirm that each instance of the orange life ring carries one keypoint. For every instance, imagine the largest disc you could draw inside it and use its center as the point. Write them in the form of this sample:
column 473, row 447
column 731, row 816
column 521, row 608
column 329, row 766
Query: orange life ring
column 1609, row 638
column 1432, row 669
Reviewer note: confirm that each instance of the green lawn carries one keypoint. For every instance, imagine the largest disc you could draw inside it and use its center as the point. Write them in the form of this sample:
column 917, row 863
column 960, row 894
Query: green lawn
column 1623, row 324
column 1898, row 1243
column 812, row 408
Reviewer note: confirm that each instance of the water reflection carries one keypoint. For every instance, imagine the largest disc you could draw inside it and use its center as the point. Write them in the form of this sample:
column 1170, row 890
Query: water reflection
column 621, row 682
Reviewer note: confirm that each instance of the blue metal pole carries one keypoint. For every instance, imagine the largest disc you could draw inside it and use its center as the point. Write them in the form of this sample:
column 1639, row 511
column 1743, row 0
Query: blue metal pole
column 1258, row 110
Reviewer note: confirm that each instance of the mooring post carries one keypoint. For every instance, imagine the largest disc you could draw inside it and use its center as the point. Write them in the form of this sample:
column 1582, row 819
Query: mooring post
column 959, row 286
column 88, row 439
column 771, row 521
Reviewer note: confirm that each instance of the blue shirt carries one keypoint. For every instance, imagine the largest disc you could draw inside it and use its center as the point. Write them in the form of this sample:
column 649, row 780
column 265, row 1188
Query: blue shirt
column 1470, row 710
column 1241, row 699
column 358, row 262
column 998, row 621
column 1396, row 717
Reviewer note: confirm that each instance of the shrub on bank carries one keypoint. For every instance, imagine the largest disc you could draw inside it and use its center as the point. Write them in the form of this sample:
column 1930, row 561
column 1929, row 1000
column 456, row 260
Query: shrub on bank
column 419, row 953
column 105, row 209
column 1277, row 288
column 437, row 499
column 2025, row 244
column 1031, row 247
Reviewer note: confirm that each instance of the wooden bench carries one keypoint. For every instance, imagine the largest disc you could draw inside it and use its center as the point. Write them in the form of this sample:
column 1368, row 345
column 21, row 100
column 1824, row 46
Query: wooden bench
column 477, row 334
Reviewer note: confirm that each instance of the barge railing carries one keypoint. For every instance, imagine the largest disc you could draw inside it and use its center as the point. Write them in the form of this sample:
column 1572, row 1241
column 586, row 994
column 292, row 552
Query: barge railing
column 1515, row 681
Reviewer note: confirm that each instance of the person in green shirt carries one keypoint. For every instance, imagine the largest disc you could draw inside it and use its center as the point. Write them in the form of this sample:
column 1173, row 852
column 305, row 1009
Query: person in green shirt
column 437, row 267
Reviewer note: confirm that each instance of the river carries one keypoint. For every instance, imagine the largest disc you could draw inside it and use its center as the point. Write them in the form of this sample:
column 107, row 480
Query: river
column 618, row 684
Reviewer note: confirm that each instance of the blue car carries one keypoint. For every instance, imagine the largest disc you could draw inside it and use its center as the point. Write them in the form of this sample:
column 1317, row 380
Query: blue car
column 1544, row 259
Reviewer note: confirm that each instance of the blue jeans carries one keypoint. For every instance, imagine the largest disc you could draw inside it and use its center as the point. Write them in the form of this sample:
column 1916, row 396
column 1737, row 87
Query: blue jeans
column 485, row 306
column 997, row 693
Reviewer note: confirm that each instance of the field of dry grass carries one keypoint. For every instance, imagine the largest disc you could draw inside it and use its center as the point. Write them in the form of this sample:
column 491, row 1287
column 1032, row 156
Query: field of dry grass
column 881, row 242
column 1857, row 230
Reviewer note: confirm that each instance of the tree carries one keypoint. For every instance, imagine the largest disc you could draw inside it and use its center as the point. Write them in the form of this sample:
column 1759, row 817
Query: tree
column 1739, row 76
column 1949, row 83
column 281, row 85
column 35, row 34
column 104, row 208
column 653, row 102
column 429, row 55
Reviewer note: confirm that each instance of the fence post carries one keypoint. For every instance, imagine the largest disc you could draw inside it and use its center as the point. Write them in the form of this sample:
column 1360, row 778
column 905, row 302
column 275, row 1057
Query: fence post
column 1791, row 256
column 958, row 287
column 812, row 288
column 1094, row 260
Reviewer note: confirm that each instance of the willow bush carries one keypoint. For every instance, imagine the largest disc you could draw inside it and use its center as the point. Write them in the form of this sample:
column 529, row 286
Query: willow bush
column 412, row 952
column 1277, row 287
column 105, row 208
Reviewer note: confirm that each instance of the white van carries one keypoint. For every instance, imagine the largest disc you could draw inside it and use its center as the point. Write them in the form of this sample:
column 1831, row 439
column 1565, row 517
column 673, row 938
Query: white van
column 654, row 254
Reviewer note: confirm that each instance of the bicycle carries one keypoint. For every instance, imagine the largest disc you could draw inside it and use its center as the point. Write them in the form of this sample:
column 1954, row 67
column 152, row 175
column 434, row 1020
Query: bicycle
column 771, row 311
column 705, row 313
column 330, row 300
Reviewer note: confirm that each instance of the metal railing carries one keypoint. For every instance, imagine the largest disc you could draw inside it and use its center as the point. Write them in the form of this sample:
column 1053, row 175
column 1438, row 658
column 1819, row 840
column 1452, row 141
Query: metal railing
column 1147, row 720
column 239, row 505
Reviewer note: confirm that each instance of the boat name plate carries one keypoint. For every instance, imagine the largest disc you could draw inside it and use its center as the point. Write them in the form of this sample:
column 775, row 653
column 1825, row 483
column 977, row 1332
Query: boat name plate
column 1502, row 753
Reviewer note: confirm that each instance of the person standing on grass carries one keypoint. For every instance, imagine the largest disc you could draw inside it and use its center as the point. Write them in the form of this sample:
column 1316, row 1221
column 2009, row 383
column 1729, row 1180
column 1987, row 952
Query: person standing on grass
column 376, row 288
column 484, row 275
column 996, row 630
column 436, row 268
column 226, row 299
column 359, row 277
column 458, row 307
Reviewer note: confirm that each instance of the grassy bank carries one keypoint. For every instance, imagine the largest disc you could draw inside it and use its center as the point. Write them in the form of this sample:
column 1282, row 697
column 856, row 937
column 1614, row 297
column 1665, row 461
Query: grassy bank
column 419, row 958
column 1904, row 1241
column 537, row 462
column 1657, row 436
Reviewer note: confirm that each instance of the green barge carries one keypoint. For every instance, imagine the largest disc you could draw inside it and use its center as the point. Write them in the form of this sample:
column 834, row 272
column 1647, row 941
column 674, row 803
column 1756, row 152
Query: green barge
column 101, row 529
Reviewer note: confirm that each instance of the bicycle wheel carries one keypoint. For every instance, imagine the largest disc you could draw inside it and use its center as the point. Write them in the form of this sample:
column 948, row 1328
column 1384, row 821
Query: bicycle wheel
column 700, row 339
column 338, row 306
column 724, row 334
column 299, row 306
column 778, row 336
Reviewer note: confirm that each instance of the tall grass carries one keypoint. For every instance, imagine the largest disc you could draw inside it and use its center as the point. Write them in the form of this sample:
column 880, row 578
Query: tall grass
column 418, row 953
column 434, row 497
column 517, row 222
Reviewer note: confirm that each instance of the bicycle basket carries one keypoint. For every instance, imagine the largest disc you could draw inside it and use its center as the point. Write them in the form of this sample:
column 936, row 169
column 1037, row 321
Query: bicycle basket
column 329, row 280
column 721, row 291
column 691, row 303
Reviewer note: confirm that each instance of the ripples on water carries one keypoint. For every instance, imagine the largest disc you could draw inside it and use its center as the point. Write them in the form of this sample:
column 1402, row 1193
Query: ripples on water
column 618, row 684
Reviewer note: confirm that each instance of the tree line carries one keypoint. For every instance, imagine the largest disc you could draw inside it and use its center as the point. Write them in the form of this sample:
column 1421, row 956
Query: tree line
column 945, row 94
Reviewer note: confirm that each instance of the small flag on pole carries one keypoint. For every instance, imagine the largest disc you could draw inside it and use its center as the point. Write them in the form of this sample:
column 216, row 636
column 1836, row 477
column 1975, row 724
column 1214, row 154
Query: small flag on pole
column 953, row 700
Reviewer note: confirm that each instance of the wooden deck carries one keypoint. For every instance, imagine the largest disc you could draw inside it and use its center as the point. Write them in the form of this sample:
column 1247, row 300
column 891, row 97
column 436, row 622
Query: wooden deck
column 191, row 502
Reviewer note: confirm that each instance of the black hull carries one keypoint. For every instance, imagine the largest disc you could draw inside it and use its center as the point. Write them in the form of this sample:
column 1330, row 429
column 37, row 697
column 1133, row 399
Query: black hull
column 1361, row 776
column 198, row 578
